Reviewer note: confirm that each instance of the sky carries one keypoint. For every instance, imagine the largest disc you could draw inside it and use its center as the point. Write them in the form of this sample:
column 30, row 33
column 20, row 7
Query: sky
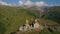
column 31, row 2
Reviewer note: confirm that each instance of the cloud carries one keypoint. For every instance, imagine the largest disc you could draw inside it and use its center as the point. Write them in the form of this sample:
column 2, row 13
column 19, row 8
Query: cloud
column 26, row 3
column 21, row 3
column 41, row 3
column 30, row 3
column 5, row 3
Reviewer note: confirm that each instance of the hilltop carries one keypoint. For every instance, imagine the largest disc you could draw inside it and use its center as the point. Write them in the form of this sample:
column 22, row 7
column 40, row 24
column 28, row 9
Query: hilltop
column 12, row 17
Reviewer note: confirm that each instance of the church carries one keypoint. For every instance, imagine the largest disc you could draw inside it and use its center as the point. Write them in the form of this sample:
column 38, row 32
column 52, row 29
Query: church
column 33, row 26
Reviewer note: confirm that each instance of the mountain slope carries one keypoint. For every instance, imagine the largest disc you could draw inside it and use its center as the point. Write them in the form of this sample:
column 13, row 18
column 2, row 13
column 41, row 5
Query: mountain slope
column 45, row 31
column 54, row 14
column 11, row 18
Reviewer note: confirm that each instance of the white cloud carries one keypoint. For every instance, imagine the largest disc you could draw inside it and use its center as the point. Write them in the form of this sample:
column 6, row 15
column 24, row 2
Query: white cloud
column 30, row 3
column 26, row 3
column 21, row 3
column 41, row 3
column 5, row 3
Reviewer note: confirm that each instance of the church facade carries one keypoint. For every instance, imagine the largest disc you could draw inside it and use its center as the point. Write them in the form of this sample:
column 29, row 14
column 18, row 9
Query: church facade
column 33, row 26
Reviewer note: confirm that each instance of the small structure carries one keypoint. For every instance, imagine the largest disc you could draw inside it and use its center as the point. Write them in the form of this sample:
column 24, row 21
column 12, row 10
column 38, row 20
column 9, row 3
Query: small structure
column 36, row 25
column 27, row 26
column 21, row 28
column 33, row 26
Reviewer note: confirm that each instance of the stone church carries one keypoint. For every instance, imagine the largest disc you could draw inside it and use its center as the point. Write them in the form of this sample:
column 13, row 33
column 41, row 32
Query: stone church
column 35, row 25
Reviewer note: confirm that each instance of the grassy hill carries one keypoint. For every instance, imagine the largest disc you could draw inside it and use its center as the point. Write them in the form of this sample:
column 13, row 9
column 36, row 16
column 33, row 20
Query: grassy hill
column 11, row 18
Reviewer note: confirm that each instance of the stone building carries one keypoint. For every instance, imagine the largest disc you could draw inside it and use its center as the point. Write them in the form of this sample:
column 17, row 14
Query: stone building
column 27, row 26
column 36, row 25
column 33, row 26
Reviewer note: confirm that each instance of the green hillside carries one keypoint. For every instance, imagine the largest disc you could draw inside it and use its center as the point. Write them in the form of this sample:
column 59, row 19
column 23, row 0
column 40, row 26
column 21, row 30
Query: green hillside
column 45, row 31
column 11, row 18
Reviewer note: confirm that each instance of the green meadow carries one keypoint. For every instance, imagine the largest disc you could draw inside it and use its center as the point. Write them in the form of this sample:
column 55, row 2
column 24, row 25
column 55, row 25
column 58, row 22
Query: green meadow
column 11, row 18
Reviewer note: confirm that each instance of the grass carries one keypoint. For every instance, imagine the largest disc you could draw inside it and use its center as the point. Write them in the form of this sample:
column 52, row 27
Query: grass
column 45, row 31
column 49, row 22
column 11, row 18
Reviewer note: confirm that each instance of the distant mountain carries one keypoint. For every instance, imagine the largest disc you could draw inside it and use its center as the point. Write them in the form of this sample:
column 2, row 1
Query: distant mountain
column 53, row 14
